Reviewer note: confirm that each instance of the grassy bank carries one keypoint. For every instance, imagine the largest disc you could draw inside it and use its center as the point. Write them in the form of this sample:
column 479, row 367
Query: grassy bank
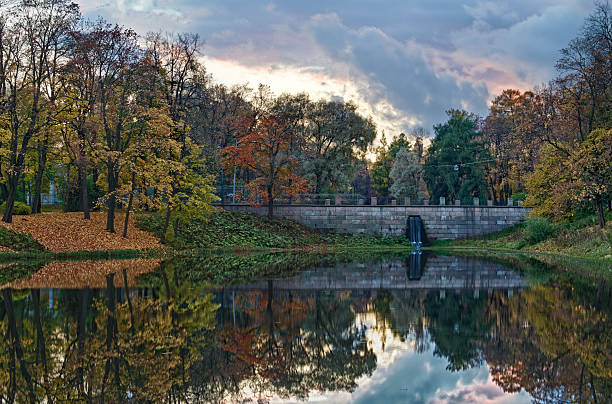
column 582, row 238
column 244, row 231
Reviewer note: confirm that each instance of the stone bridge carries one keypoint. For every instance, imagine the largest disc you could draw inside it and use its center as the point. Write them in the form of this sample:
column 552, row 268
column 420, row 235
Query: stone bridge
column 440, row 222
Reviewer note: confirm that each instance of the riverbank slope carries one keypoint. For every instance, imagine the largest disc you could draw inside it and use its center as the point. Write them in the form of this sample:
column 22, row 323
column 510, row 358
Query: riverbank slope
column 581, row 239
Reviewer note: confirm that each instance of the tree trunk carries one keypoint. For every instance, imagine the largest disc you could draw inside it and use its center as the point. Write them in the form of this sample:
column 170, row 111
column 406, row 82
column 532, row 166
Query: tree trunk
column 68, row 190
column 166, row 223
column 112, row 200
column 270, row 203
column 40, row 172
column 84, row 197
column 129, row 207
column 600, row 213
column 13, row 182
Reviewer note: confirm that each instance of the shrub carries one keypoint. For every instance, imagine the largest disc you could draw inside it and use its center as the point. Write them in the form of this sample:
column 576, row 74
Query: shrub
column 538, row 229
column 19, row 208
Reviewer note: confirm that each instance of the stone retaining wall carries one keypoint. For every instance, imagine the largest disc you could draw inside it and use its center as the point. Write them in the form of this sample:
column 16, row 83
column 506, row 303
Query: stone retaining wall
column 441, row 222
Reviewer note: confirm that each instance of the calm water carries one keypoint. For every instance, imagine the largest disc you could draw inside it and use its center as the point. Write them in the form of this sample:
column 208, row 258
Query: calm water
column 391, row 329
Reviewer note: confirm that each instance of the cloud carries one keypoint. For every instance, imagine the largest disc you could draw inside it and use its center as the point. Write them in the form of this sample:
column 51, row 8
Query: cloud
column 407, row 62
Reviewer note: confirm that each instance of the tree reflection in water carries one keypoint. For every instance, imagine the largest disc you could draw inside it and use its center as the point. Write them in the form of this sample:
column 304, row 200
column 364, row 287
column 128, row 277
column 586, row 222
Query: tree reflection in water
column 176, row 342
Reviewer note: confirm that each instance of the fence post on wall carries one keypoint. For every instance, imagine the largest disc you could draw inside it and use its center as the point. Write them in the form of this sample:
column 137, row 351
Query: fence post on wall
column 373, row 201
column 489, row 202
column 442, row 201
column 476, row 201
column 327, row 202
column 510, row 202
column 407, row 201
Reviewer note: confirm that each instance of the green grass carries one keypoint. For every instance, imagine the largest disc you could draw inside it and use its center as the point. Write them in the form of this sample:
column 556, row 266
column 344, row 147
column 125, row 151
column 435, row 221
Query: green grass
column 580, row 238
column 238, row 230
column 18, row 241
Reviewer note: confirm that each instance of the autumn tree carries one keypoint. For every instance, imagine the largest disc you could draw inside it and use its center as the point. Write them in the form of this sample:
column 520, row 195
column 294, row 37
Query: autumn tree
column 593, row 171
column 182, row 81
column 263, row 147
column 32, row 34
column 512, row 140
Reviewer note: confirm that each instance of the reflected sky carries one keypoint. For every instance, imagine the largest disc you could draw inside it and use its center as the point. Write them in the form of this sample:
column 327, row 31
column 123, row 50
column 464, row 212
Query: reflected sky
column 405, row 376
column 340, row 331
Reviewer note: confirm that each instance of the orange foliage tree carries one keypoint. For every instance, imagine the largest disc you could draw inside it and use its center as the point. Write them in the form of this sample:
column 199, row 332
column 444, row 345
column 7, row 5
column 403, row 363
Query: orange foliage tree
column 263, row 146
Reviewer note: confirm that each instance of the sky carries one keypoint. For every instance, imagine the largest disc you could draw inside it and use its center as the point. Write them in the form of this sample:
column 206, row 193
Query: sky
column 403, row 62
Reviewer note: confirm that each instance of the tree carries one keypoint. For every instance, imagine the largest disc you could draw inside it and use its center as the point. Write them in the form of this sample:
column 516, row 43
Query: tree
column 512, row 140
column 30, row 49
column 362, row 183
column 455, row 159
column 334, row 135
column 381, row 168
column 593, row 170
column 182, row 81
column 406, row 174
column 263, row 147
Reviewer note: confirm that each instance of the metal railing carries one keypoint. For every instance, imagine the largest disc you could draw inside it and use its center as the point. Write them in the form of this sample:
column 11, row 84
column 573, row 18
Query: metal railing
column 228, row 198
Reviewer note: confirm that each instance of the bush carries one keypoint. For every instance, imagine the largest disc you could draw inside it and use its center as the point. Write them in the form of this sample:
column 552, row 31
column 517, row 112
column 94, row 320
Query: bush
column 538, row 229
column 19, row 208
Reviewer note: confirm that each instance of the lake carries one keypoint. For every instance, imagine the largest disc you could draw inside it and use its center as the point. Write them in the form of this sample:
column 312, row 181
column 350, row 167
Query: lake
column 349, row 328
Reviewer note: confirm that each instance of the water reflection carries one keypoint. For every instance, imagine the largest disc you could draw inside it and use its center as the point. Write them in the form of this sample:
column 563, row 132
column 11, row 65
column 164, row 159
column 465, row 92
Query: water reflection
column 365, row 331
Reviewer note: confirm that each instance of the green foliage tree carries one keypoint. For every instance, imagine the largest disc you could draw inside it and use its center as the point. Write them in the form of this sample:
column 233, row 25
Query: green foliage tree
column 454, row 166
column 334, row 137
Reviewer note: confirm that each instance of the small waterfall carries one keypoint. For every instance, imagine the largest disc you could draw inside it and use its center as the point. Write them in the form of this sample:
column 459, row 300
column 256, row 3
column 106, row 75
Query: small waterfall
column 416, row 232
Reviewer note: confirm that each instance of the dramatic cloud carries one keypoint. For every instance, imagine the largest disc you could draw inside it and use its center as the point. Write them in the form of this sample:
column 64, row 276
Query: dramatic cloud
column 404, row 62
